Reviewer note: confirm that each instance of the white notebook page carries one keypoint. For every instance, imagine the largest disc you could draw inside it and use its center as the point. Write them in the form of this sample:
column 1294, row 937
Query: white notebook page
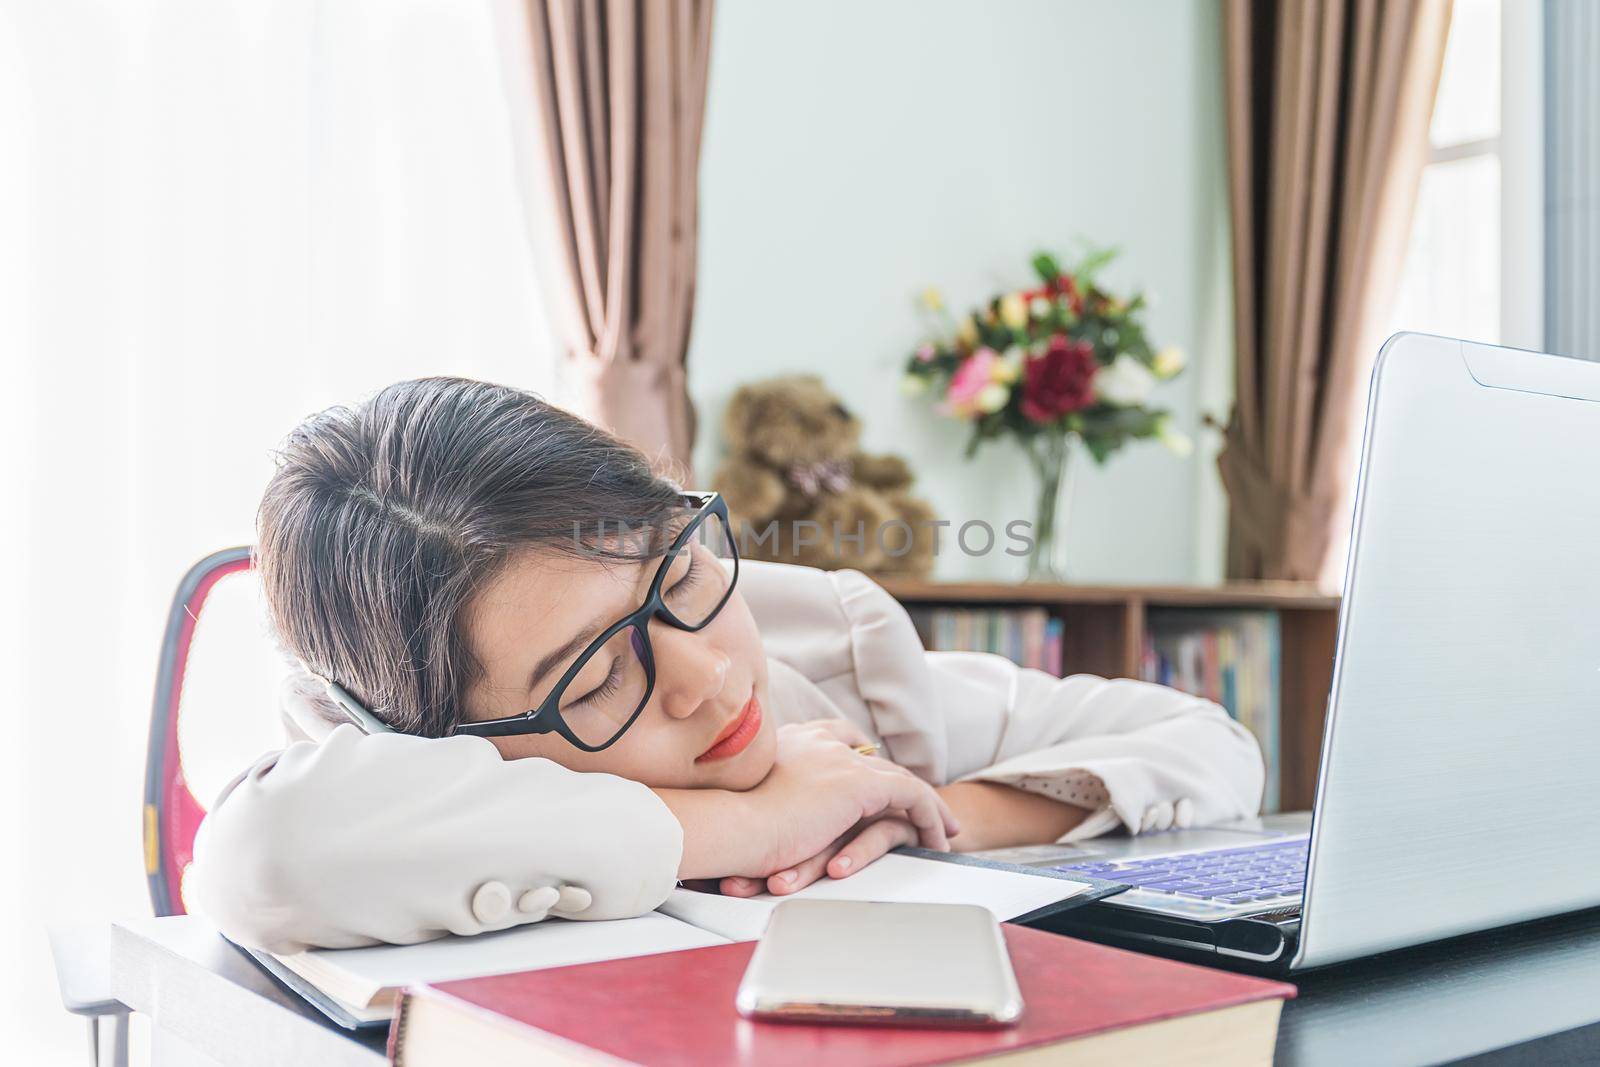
column 894, row 878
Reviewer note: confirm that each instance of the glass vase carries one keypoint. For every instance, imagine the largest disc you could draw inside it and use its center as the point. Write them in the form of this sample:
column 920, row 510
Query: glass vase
column 1050, row 454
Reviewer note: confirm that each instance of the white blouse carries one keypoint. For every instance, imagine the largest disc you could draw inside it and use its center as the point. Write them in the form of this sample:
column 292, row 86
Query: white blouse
column 344, row 839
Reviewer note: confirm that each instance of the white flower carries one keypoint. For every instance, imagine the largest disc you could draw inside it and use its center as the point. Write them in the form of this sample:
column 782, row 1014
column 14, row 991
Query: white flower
column 992, row 397
column 1169, row 361
column 1013, row 312
column 1040, row 307
column 1176, row 440
column 967, row 332
column 1126, row 383
column 1008, row 368
column 913, row 385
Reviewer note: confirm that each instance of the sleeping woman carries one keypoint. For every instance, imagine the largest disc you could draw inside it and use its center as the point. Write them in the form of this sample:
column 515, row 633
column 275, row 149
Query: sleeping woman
column 575, row 696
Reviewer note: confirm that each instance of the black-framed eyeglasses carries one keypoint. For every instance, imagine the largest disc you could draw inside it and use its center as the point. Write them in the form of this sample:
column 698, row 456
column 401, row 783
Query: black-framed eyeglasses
column 603, row 692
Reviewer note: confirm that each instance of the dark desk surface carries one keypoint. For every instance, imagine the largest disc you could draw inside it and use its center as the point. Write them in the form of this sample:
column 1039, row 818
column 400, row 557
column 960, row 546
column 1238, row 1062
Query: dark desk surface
column 1526, row 994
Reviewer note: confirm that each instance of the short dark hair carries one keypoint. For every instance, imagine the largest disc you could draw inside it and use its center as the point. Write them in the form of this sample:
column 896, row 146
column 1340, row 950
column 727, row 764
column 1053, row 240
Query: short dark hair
column 384, row 519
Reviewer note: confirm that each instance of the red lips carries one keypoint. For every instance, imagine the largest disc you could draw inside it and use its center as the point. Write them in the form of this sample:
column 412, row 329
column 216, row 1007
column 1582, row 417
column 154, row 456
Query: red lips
column 736, row 736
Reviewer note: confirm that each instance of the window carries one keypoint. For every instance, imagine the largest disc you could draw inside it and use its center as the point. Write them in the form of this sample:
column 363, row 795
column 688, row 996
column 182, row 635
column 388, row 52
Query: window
column 1451, row 281
column 218, row 216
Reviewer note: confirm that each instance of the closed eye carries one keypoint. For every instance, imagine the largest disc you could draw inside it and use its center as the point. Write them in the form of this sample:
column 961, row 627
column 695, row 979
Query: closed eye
column 690, row 577
column 609, row 686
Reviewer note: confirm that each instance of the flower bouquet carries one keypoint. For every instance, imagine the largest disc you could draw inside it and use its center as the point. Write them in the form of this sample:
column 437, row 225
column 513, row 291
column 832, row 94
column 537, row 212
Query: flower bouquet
column 1062, row 362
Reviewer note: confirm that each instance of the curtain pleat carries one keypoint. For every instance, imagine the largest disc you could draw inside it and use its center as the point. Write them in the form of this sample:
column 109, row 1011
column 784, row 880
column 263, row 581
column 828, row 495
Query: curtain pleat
column 607, row 101
column 1328, row 109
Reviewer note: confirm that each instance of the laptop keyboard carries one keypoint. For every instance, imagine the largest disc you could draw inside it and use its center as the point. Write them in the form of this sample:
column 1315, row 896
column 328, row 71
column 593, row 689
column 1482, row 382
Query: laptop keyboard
column 1230, row 876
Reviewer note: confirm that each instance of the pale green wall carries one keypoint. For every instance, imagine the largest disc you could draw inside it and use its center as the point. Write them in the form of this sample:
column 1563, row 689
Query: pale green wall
column 857, row 151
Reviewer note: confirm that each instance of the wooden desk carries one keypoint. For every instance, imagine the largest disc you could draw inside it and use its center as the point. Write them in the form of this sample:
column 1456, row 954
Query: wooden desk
column 1530, row 994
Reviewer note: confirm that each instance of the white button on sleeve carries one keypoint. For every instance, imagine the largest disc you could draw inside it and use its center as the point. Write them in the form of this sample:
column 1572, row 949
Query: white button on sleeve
column 491, row 902
column 573, row 899
column 538, row 901
column 1183, row 813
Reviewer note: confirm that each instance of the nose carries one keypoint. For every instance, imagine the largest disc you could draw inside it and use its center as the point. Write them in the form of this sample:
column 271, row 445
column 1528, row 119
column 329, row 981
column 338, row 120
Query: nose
column 690, row 669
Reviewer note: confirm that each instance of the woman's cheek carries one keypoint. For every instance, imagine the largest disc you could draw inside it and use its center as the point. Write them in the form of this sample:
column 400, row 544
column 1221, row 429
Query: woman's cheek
column 652, row 753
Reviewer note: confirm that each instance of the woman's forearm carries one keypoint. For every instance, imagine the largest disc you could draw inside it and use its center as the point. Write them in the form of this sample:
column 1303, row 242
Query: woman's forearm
column 718, row 836
column 998, row 816
column 724, row 834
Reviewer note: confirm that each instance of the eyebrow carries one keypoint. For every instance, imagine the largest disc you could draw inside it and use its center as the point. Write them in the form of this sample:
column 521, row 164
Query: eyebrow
column 579, row 640
column 548, row 663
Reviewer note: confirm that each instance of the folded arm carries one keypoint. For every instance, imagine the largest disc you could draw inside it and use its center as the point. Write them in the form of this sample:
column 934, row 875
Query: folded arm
column 1130, row 753
column 1108, row 753
column 392, row 838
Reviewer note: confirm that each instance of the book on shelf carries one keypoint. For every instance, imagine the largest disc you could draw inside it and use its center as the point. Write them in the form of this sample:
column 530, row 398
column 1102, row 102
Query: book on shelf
column 1083, row 1003
column 1228, row 656
column 1028, row 636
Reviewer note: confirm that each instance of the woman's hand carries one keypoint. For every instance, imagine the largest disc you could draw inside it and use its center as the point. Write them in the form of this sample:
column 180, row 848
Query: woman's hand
column 994, row 816
column 819, row 793
column 820, row 787
column 814, row 754
column 842, row 858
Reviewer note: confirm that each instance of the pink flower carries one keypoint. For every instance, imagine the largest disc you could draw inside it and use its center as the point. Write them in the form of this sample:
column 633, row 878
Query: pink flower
column 926, row 353
column 975, row 372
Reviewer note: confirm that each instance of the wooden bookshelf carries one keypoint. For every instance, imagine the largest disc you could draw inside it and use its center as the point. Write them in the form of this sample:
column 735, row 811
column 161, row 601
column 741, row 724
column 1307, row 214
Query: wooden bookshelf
column 1105, row 629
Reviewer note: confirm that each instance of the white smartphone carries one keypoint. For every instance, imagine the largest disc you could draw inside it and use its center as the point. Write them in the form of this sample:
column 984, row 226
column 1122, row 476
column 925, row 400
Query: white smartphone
column 899, row 964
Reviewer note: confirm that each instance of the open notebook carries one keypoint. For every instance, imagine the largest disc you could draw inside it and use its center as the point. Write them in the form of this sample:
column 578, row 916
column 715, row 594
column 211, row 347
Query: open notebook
column 358, row 987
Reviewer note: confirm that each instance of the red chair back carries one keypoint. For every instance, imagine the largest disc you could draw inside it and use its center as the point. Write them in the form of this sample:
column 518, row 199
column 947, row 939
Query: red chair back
column 172, row 813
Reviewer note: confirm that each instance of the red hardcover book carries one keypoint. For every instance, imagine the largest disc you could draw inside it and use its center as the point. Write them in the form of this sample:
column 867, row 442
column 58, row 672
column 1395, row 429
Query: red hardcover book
column 676, row 1010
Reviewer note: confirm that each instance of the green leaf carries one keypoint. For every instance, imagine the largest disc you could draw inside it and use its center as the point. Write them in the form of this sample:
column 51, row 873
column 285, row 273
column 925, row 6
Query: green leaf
column 1092, row 262
column 1121, row 422
column 1046, row 266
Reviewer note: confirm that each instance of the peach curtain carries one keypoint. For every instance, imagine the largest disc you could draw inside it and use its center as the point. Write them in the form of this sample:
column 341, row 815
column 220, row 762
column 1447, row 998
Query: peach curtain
column 606, row 100
column 1328, row 104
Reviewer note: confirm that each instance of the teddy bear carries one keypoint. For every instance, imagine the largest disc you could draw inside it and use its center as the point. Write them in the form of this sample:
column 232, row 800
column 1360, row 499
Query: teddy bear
column 799, row 491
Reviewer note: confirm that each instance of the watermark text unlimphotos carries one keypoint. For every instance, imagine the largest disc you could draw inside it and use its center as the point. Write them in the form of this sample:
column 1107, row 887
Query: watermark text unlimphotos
column 797, row 537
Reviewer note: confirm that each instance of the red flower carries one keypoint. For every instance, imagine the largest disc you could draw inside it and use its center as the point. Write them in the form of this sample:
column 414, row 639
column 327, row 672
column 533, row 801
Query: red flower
column 1067, row 285
column 1059, row 381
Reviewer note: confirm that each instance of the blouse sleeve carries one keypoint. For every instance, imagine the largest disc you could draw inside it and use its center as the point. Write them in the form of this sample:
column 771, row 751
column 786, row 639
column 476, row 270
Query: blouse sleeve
column 392, row 838
column 1138, row 755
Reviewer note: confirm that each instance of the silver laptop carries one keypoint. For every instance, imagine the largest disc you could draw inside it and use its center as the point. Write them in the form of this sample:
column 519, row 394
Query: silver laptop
column 1457, row 789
